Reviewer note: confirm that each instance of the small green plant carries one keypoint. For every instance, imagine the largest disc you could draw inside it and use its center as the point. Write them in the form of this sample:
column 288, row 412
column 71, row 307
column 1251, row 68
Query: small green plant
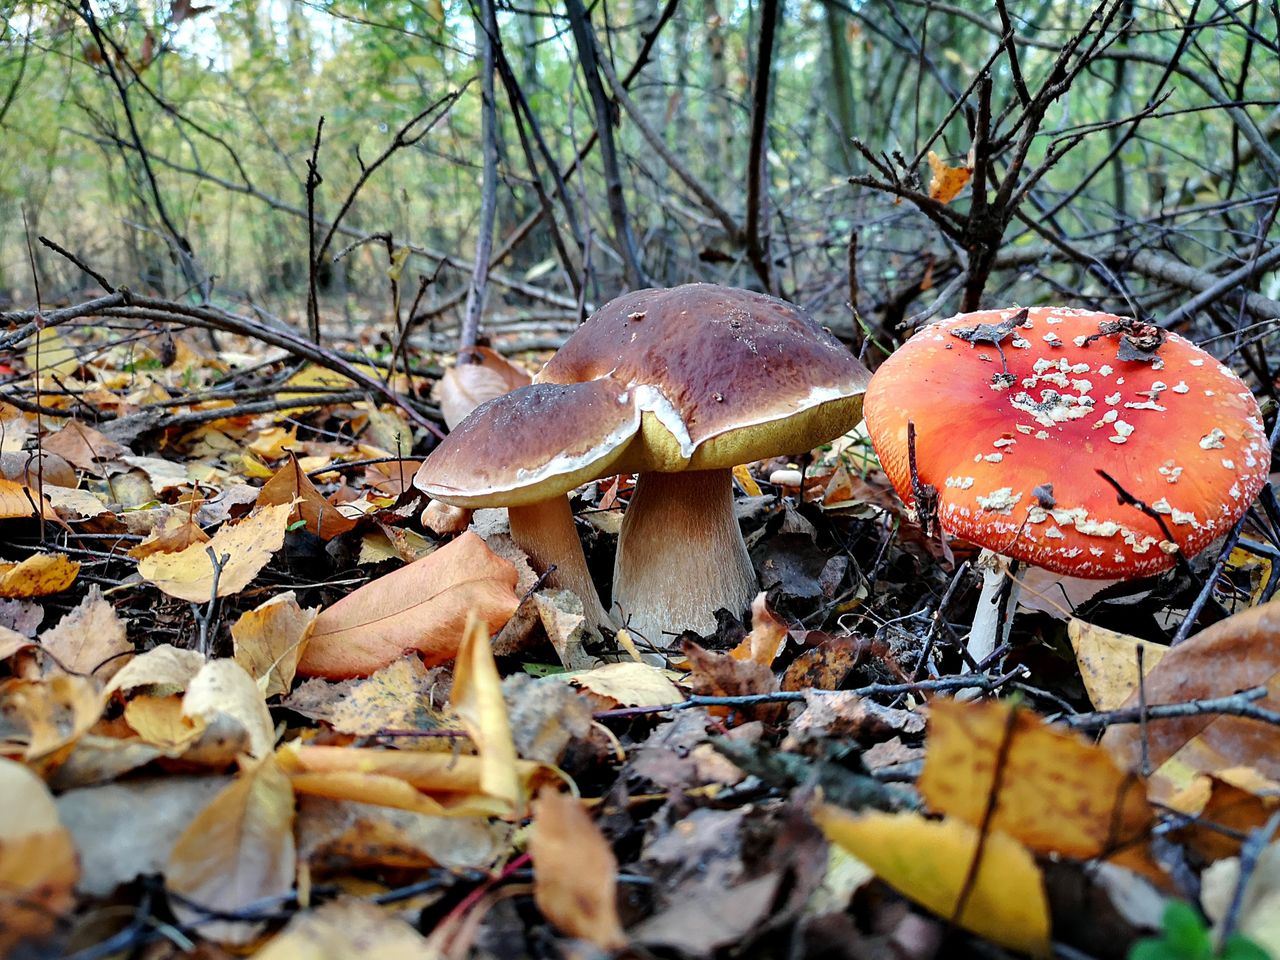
column 1185, row 937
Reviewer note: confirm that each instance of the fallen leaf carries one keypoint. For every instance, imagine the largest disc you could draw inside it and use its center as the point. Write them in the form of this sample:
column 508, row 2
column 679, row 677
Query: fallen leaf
column 825, row 666
column 247, row 546
column 1238, row 653
column 38, row 865
column 160, row 722
column 422, row 606
column 763, row 644
column 338, row 836
column 85, row 447
column 562, row 618
column 1108, row 661
column 41, row 719
column 465, row 386
column 238, row 850
column 628, row 684
column 345, row 928
column 20, row 501
column 110, row 856
column 721, row 675
column 546, row 716
column 945, row 183
column 1224, row 807
column 575, row 874
column 425, row 782
column 38, row 576
column 175, row 533
column 848, row 716
column 700, row 927
column 930, row 861
column 404, row 695
column 477, row 701
column 291, row 486
column 1056, row 792
column 34, row 469
column 270, row 639
column 162, row 669
column 223, row 687
column 1259, row 916
column 90, row 639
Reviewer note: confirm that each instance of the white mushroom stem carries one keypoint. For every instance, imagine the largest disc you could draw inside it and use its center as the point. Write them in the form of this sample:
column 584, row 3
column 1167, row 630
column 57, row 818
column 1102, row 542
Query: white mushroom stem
column 681, row 555
column 545, row 532
column 988, row 631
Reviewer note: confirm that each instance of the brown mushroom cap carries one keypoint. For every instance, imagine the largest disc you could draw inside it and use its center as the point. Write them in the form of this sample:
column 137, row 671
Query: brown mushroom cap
column 695, row 377
column 1014, row 457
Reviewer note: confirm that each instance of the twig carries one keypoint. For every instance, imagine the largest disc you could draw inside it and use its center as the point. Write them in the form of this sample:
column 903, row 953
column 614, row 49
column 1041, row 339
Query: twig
column 757, row 232
column 1250, row 852
column 313, row 182
column 470, row 331
column 1236, row 705
column 205, row 620
column 80, row 264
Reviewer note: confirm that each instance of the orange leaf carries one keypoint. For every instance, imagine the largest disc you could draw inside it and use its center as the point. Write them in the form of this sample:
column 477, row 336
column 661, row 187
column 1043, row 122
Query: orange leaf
column 945, row 183
column 292, row 486
column 422, row 606
column 575, row 874
column 766, row 638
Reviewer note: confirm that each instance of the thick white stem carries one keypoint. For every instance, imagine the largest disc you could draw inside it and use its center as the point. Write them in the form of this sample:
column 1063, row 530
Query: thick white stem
column 681, row 555
column 545, row 531
column 986, row 625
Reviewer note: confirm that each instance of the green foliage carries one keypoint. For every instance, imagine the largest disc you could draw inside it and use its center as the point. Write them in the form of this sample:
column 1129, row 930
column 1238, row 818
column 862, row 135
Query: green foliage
column 1185, row 937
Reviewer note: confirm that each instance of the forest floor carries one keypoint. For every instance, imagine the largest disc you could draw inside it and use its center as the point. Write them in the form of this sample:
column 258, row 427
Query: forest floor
column 187, row 774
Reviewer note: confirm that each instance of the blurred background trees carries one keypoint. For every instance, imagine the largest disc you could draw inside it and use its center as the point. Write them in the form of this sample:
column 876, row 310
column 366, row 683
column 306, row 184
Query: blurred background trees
column 1127, row 155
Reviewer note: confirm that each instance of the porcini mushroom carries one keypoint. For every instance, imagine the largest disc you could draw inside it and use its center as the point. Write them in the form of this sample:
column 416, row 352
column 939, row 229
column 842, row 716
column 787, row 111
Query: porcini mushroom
column 682, row 385
column 1015, row 412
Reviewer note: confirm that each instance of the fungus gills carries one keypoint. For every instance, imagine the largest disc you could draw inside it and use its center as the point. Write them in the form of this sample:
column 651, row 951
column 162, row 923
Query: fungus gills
column 681, row 555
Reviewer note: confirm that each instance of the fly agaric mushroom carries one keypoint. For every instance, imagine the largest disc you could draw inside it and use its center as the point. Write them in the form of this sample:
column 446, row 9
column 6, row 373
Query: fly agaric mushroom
column 1015, row 412
column 678, row 386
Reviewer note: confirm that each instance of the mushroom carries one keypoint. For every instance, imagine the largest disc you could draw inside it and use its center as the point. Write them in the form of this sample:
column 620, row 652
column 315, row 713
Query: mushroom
column 1015, row 414
column 678, row 386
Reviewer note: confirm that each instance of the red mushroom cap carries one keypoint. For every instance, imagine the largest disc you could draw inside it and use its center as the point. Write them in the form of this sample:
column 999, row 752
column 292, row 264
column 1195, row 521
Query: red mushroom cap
column 1016, row 411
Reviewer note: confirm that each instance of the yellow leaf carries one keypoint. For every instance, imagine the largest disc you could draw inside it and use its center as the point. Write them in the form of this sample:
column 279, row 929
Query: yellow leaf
column 90, row 639
column 930, row 861
column 746, row 480
column 575, row 874
column 48, row 354
column 1057, row 792
column 37, row 576
column 223, row 688
column 38, row 865
column 945, row 183
column 247, row 545
column 477, row 700
column 397, row 697
column 160, row 722
column 274, row 442
column 164, row 669
column 425, row 782
column 629, row 683
column 40, row 720
column 237, row 850
column 422, row 606
column 346, row 928
column 20, row 501
column 1108, row 661
column 269, row 641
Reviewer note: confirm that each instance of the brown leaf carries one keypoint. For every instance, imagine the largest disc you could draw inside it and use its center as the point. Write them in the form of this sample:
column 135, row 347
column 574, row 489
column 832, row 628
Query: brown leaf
column 247, row 545
column 175, row 533
column 1238, row 653
column 85, row 447
column 32, row 468
column 720, row 675
column 575, row 874
column 270, row 639
column 825, row 666
column 38, row 865
column 291, row 485
column 37, row 576
column 90, row 639
column 465, row 386
column 238, row 850
column 422, row 606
